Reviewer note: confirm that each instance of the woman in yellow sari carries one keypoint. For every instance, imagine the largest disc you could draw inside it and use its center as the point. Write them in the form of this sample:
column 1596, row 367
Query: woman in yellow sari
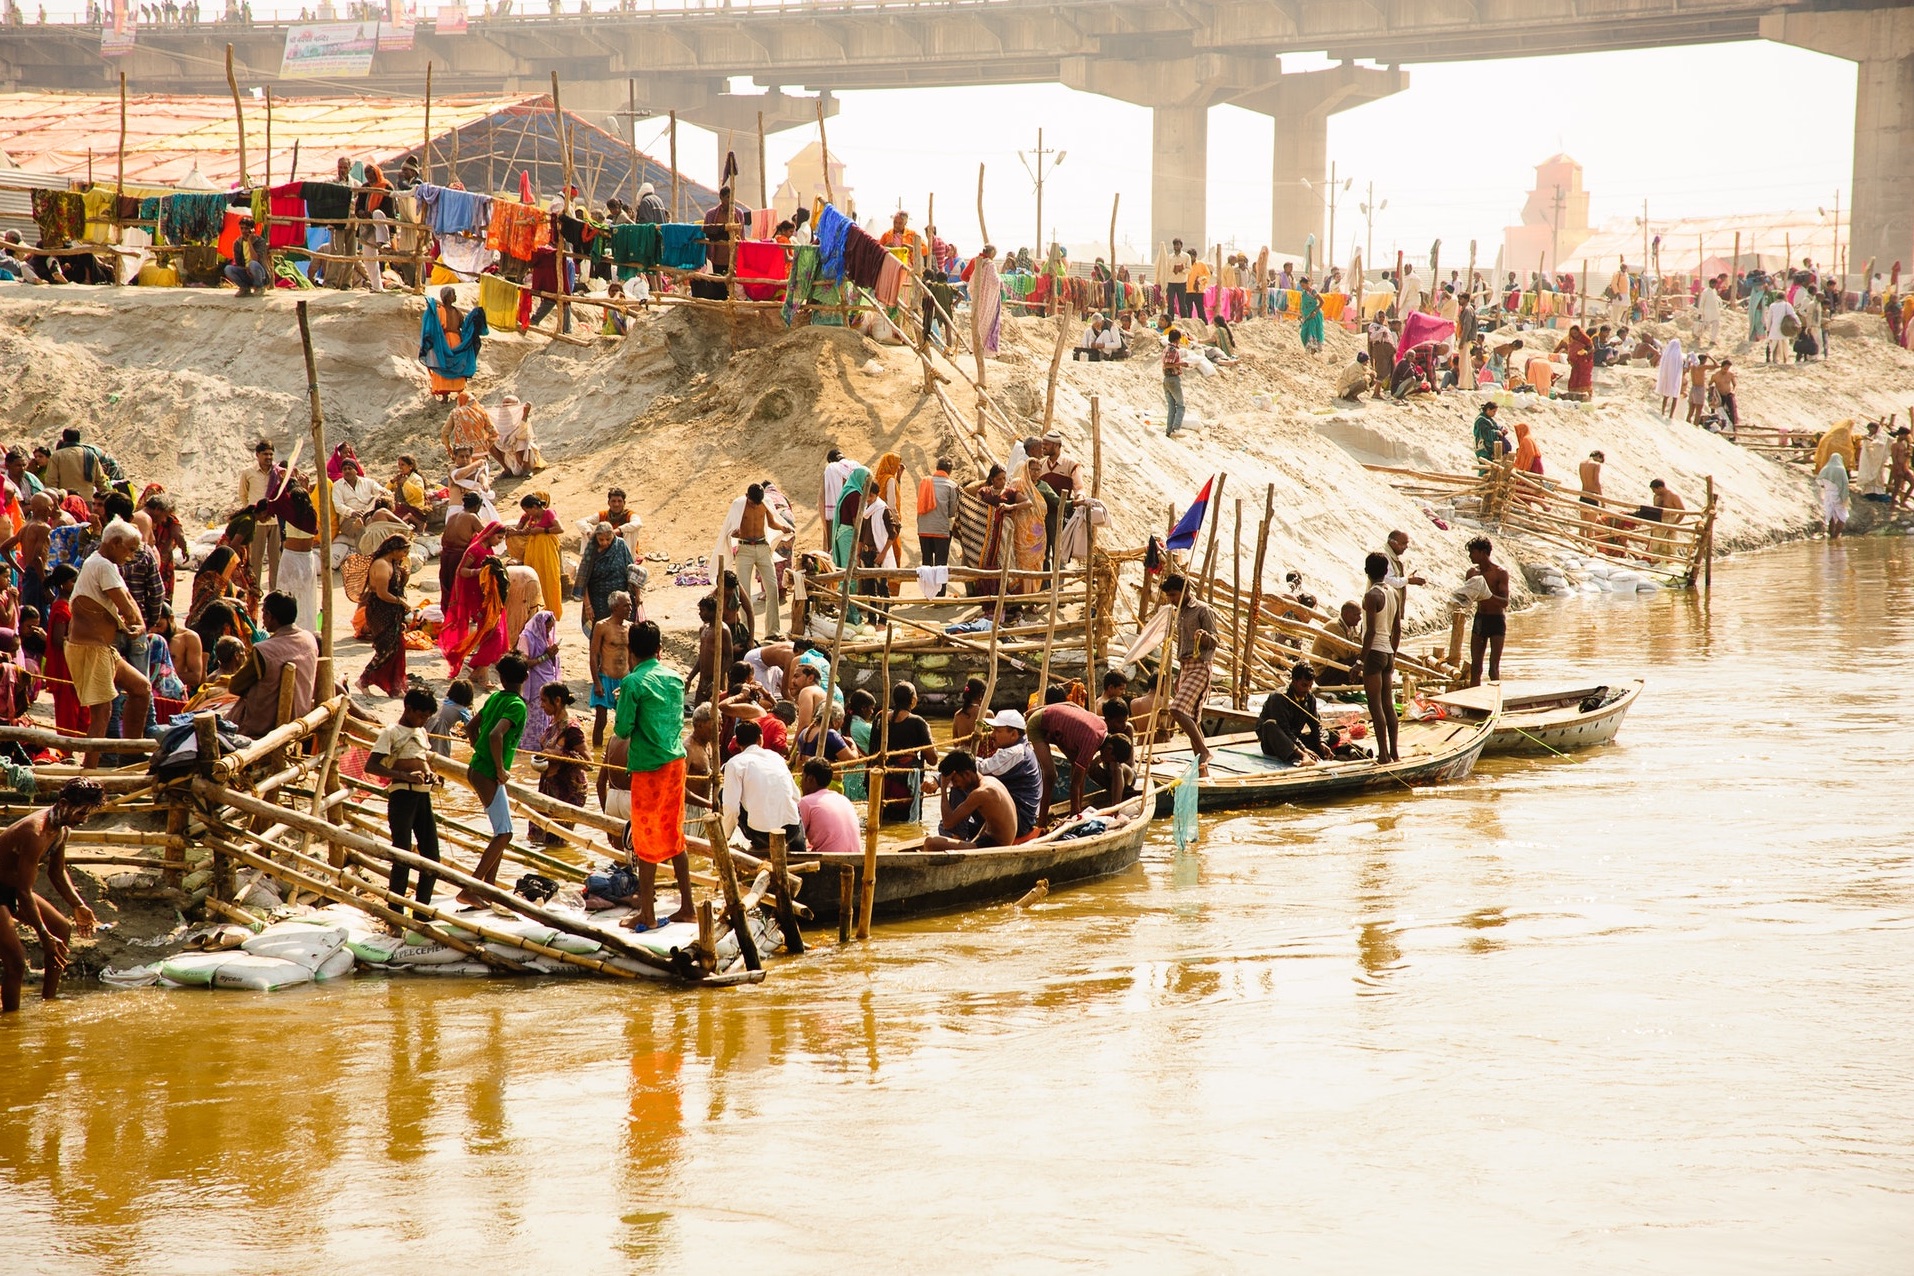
column 1026, row 504
column 539, row 526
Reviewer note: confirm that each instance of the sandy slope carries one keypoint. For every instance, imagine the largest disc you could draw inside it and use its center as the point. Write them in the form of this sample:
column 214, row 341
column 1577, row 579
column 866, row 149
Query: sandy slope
column 690, row 409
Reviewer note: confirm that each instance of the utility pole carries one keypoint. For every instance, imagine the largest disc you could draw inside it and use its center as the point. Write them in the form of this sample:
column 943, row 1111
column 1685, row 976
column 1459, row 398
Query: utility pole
column 1369, row 210
column 1555, row 230
column 1329, row 252
column 1037, row 174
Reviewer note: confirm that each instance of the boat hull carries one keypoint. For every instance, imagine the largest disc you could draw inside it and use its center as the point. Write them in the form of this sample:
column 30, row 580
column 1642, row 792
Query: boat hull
column 1543, row 732
column 916, row 882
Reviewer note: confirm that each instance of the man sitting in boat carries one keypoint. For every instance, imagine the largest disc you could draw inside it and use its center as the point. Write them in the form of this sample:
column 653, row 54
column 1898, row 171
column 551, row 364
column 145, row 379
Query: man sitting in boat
column 1009, row 759
column 759, row 797
column 1290, row 727
column 1341, row 642
column 978, row 811
column 1075, row 731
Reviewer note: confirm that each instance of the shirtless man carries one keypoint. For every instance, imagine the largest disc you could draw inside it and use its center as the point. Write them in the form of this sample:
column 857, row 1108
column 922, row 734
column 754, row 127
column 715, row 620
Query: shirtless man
column 610, row 661
column 21, row 847
column 771, row 664
column 1698, row 389
column 755, row 556
column 978, row 809
column 461, row 527
column 1900, row 470
column 1491, row 625
column 1379, row 624
column 1592, row 488
column 26, row 552
column 1724, row 384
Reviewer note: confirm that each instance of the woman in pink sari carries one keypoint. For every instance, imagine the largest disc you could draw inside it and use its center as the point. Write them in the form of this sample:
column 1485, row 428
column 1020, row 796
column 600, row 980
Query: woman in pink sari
column 473, row 632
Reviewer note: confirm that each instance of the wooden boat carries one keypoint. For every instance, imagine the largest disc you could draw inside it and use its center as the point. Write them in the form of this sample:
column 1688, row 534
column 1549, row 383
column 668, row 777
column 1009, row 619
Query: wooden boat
column 1433, row 752
column 1559, row 718
column 912, row 880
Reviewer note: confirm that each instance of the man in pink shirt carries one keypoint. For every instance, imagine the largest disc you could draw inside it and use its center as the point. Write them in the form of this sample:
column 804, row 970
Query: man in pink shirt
column 827, row 816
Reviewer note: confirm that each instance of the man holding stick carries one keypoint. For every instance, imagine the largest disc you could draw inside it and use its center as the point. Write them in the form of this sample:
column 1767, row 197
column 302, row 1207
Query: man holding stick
column 21, row 847
column 1195, row 654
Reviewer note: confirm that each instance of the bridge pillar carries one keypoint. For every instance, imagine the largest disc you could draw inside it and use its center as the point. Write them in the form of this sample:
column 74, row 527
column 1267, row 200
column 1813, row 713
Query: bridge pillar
column 1301, row 105
column 1881, row 44
column 1179, row 93
column 734, row 118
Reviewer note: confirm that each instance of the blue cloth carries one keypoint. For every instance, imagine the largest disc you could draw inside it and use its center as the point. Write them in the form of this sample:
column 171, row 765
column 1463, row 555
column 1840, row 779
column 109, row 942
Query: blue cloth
column 681, row 246
column 449, row 212
column 833, row 229
column 192, row 219
column 436, row 353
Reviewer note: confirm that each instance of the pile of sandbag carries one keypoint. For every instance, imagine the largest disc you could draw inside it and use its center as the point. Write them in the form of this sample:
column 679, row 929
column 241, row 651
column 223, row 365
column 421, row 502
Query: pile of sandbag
column 1599, row 576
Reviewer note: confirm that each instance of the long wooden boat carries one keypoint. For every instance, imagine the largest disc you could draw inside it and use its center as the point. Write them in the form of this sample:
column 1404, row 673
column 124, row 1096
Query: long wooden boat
column 1433, row 752
column 1551, row 719
column 912, row 880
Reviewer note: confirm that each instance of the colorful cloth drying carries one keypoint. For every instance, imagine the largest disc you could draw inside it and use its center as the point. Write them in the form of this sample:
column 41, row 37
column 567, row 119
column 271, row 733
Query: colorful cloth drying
column 798, row 285
column 192, row 219
column 864, row 257
column 100, row 204
column 635, row 248
column 327, row 201
column 761, row 260
column 516, row 229
column 60, row 215
column 681, row 246
column 833, row 228
column 890, row 280
column 499, row 300
column 450, row 212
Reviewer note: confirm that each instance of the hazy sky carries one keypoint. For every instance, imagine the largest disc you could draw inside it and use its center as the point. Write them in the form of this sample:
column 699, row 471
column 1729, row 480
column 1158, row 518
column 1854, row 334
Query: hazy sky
column 1693, row 130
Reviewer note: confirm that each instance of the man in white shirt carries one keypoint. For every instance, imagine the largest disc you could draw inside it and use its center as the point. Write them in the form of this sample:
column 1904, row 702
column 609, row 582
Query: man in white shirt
column 103, row 608
column 255, row 485
column 759, row 796
column 352, row 499
column 1708, row 314
column 1779, row 312
column 837, row 468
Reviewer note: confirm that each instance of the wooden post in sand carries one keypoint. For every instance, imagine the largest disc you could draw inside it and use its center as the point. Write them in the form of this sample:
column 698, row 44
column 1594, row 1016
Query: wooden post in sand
column 1215, row 515
column 764, row 196
column 1256, row 583
column 239, row 116
column 824, row 147
column 1585, row 292
column 119, row 172
column 1056, row 364
column 1735, row 267
column 674, row 166
column 1236, row 610
column 781, row 895
column 1115, row 304
column 1090, row 660
column 324, row 676
column 425, row 142
column 874, row 784
column 982, row 229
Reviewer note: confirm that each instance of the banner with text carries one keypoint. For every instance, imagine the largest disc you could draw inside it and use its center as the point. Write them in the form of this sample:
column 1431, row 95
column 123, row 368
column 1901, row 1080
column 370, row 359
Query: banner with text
column 396, row 32
column 329, row 50
column 450, row 20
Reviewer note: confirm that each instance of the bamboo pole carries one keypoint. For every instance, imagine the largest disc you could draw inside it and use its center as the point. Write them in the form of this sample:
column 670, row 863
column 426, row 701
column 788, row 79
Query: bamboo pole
column 239, row 116
column 674, row 166
column 1256, row 576
column 425, row 144
column 1056, row 586
column 982, row 229
column 564, row 149
column 824, row 148
column 764, row 193
column 1115, row 201
column 1236, row 611
column 781, row 895
column 874, row 784
column 119, row 172
column 996, row 632
column 1090, row 661
column 1056, row 365
column 368, row 846
column 1215, row 515
column 324, row 676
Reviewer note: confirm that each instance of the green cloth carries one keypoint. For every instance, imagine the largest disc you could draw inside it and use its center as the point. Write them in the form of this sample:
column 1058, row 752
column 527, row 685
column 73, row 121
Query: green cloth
column 651, row 714
column 500, row 706
column 635, row 246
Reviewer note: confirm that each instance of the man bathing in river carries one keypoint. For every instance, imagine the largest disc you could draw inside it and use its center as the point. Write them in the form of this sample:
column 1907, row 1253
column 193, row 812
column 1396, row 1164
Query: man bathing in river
column 1491, row 625
column 978, row 810
column 21, row 847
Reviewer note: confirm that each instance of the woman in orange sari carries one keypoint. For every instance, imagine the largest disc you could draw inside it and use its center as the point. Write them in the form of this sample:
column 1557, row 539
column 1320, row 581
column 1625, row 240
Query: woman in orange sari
column 449, row 343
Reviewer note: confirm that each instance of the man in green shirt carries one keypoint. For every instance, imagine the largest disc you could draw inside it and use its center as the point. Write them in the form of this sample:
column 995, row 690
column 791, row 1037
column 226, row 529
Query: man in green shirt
column 651, row 715
column 494, row 733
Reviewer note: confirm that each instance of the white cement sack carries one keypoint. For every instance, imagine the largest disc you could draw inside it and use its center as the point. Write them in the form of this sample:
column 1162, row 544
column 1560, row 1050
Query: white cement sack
column 340, row 963
column 250, row 973
column 303, row 945
column 425, row 955
column 192, row 970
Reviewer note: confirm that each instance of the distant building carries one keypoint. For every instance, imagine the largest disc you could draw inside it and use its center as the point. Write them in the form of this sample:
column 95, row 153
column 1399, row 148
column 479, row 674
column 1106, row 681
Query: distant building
column 804, row 183
column 1554, row 220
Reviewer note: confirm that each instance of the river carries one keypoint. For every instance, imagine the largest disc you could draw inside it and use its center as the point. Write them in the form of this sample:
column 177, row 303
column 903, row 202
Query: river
column 1646, row 1008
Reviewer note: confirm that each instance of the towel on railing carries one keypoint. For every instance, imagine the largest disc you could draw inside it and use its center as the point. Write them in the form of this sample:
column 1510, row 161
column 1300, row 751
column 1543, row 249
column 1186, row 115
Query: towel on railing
column 635, row 248
column 681, row 246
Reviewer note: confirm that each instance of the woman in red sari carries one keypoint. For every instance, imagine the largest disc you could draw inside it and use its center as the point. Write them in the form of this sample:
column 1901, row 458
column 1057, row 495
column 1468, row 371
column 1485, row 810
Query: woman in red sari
column 69, row 715
column 1581, row 363
column 386, row 612
column 474, row 629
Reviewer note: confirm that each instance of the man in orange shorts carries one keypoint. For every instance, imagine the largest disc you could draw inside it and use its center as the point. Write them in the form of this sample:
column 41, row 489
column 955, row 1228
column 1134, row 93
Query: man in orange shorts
column 651, row 716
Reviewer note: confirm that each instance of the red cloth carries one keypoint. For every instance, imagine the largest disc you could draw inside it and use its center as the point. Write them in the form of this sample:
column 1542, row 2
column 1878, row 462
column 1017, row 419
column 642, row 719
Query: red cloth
column 288, row 225
column 763, row 260
column 1421, row 329
column 658, row 812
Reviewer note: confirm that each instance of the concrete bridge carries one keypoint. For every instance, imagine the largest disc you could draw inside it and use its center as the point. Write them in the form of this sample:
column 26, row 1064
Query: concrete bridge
column 1177, row 57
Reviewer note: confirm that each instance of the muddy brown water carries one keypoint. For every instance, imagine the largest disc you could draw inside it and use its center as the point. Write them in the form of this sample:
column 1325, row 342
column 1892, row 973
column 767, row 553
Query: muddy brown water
column 1646, row 1008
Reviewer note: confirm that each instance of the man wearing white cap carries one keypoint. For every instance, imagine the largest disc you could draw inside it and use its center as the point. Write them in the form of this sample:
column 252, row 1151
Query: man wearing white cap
column 1011, row 760
column 651, row 210
column 1063, row 474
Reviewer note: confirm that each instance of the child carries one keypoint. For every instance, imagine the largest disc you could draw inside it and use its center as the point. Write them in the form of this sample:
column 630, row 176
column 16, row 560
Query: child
column 861, row 712
column 453, row 713
column 565, row 757
column 963, row 723
column 495, row 733
column 398, row 757
column 1115, row 767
